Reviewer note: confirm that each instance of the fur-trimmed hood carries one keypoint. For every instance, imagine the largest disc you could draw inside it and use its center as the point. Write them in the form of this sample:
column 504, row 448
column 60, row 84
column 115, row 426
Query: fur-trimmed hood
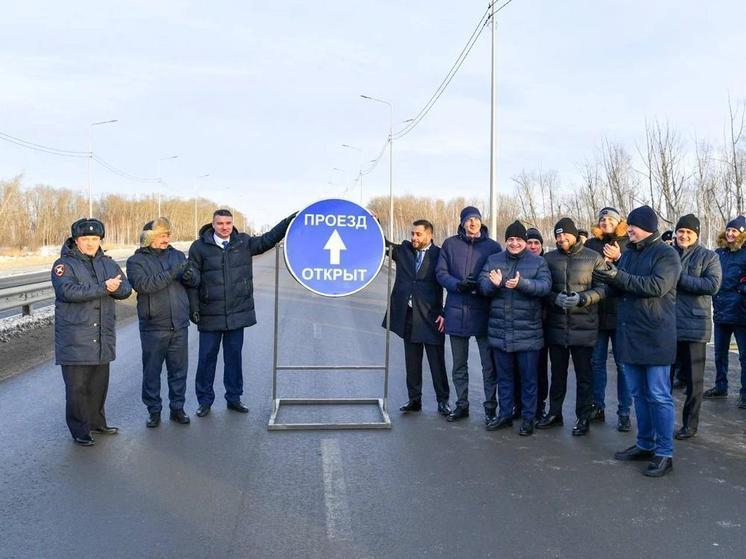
column 733, row 247
column 619, row 232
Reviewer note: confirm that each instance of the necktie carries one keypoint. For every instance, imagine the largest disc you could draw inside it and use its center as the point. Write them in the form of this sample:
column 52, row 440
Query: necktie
column 420, row 258
column 225, row 244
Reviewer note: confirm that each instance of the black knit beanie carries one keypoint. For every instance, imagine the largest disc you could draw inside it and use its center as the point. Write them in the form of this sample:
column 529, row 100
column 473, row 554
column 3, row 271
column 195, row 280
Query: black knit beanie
column 566, row 225
column 643, row 217
column 516, row 229
column 533, row 233
column 688, row 221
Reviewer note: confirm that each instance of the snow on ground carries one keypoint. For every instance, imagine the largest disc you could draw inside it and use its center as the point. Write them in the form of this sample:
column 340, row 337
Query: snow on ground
column 16, row 326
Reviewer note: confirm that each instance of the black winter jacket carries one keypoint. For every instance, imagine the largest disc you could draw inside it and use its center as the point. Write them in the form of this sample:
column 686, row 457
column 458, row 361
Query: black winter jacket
column 699, row 280
column 572, row 271
column 423, row 288
column 730, row 301
column 515, row 320
column 226, row 291
column 84, row 311
column 162, row 301
column 607, row 308
column 646, row 283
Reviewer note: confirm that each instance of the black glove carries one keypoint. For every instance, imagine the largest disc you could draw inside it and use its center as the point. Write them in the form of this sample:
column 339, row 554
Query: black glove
column 194, row 317
column 606, row 275
column 188, row 272
column 176, row 271
column 466, row 286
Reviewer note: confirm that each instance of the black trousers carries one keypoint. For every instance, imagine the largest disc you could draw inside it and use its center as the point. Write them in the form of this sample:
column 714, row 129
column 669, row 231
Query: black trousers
column 171, row 346
column 581, row 361
column 85, row 393
column 690, row 362
column 413, row 352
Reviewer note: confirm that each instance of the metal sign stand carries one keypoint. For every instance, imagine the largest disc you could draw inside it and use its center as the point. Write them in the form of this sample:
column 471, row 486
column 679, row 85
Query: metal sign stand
column 382, row 403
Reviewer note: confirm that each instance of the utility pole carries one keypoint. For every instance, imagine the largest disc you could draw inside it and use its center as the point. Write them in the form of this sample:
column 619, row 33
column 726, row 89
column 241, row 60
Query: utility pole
column 493, row 126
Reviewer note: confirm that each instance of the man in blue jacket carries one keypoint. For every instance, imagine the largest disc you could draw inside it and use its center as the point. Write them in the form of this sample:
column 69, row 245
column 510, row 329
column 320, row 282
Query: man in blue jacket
column 459, row 265
column 225, row 302
column 646, row 278
column 729, row 305
column 159, row 273
column 86, row 283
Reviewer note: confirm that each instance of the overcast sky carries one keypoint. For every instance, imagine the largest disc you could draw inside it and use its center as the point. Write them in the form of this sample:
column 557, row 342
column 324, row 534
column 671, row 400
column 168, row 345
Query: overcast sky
column 261, row 94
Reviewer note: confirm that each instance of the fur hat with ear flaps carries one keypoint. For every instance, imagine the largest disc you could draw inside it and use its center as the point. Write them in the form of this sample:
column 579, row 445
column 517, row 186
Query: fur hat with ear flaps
column 152, row 229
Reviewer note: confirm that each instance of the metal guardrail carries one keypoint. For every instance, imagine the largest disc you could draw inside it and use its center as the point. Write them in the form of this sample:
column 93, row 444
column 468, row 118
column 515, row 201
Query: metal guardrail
column 23, row 291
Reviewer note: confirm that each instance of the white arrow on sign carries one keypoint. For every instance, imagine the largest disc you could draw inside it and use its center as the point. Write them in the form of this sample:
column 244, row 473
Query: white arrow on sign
column 335, row 245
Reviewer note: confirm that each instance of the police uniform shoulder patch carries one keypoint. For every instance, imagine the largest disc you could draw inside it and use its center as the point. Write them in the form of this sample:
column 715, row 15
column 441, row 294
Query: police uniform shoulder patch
column 59, row 270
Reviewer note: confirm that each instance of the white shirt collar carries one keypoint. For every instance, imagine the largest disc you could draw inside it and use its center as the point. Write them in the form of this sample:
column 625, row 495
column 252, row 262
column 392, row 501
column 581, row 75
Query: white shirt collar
column 219, row 241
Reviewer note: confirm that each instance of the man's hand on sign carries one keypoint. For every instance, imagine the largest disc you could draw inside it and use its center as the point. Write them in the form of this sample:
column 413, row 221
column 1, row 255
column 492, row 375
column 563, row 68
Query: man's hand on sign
column 441, row 323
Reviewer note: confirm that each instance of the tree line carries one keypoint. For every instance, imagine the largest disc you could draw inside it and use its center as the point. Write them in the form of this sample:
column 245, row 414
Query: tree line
column 41, row 215
column 672, row 173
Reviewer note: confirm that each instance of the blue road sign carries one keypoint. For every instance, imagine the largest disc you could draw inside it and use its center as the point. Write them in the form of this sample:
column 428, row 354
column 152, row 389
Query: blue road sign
column 334, row 248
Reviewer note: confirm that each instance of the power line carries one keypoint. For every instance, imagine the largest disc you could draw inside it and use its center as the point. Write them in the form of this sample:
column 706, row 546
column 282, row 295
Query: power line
column 483, row 21
column 42, row 148
column 124, row 174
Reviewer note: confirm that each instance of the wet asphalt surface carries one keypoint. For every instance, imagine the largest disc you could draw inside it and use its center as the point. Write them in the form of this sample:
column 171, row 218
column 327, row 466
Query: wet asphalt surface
column 227, row 487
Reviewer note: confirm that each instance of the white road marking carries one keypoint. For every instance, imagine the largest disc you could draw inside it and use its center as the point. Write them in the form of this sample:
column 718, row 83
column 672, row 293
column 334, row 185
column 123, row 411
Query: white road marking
column 338, row 525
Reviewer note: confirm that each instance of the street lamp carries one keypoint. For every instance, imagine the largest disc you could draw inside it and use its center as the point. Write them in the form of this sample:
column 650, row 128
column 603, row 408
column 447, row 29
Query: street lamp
column 90, row 162
column 194, row 185
column 160, row 181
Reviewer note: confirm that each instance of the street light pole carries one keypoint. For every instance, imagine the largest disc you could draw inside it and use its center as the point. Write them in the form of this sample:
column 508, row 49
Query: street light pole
column 160, row 181
column 90, row 162
column 194, row 184
column 493, row 124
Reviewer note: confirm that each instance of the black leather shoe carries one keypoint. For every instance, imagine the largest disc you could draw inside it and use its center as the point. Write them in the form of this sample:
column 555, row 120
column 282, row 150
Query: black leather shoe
column 84, row 441
column 597, row 414
column 634, row 453
column 659, row 466
column 500, row 423
column 581, row 427
column 715, row 393
column 527, row 428
column 106, row 430
column 550, row 421
column 237, row 406
column 489, row 416
column 741, row 403
column 516, row 413
column 179, row 417
column 623, row 424
column 444, row 409
column 685, row 433
column 153, row 421
column 203, row 410
column 678, row 384
column 458, row 413
column 412, row 405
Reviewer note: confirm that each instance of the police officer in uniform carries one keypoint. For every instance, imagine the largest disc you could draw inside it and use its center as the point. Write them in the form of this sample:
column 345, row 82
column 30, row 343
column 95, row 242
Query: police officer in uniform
column 86, row 283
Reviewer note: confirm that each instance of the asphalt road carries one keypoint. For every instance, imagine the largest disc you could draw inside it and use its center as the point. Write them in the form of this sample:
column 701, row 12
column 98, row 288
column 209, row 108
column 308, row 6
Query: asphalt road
column 226, row 487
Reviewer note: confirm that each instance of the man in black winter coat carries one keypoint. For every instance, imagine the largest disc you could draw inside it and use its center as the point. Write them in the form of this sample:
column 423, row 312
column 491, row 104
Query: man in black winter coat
column 417, row 314
column 160, row 273
column 609, row 239
column 645, row 280
column 86, row 284
column 223, row 305
column 700, row 279
column 572, row 324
